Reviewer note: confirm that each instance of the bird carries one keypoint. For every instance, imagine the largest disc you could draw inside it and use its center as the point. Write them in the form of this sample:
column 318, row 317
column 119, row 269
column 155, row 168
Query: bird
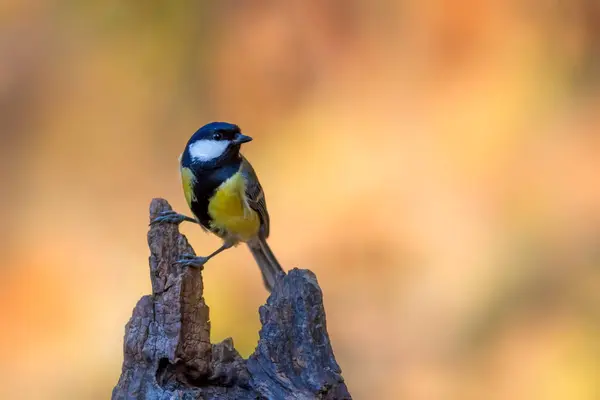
column 225, row 196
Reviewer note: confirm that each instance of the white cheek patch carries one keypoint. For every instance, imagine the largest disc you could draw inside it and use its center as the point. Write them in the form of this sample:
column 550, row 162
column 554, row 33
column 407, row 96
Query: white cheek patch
column 206, row 150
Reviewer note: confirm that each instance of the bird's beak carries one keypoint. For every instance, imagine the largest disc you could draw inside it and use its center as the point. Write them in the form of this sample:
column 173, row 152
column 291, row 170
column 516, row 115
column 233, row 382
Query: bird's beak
column 240, row 138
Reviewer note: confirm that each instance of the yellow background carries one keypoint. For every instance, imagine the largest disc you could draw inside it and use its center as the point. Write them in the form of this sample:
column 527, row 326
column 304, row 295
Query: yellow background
column 435, row 163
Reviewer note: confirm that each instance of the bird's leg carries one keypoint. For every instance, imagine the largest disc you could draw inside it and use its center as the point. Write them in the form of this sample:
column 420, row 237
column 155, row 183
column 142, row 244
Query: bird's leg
column 189, row 260
column 171, row 217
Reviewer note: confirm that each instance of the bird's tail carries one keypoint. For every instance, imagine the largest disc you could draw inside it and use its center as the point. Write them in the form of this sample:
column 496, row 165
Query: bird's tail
column 269, row 266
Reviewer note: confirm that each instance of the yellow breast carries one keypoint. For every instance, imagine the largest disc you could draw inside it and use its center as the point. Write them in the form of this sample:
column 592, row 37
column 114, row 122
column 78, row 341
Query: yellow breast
column 230, row 213
column 188, row 179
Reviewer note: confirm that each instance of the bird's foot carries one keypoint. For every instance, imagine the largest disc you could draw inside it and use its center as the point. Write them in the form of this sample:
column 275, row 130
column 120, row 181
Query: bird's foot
column 171, row 217
column 190, row 260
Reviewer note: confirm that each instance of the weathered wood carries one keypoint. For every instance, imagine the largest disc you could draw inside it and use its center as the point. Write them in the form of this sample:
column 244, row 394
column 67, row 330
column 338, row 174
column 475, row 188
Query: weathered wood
column 167, row 349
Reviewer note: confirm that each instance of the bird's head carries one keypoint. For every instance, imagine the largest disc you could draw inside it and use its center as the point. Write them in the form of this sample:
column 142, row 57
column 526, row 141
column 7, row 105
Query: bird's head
column 215, row 141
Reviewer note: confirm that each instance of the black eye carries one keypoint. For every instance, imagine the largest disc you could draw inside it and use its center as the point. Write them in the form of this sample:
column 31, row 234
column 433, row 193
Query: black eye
column 217, row 136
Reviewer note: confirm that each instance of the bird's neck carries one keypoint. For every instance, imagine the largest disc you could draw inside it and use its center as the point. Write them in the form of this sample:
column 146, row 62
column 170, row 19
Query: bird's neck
column 221, row 162
column 228, row 158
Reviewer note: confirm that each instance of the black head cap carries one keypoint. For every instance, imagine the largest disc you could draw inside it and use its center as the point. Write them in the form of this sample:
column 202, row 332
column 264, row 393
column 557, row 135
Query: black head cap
column 217, row 131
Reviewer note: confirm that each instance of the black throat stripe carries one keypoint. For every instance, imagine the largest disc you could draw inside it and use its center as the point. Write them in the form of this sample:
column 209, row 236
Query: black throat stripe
column 207, row 182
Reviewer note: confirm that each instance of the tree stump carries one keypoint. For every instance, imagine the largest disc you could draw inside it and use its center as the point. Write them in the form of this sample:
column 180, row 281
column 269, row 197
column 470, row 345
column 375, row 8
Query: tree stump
column 167, row 349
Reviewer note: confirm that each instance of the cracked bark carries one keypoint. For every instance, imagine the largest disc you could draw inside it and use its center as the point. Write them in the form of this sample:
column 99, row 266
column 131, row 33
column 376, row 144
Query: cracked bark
column 167, row 349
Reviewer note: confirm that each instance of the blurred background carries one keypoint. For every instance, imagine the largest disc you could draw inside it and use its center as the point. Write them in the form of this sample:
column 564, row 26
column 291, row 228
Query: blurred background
column 436, row 163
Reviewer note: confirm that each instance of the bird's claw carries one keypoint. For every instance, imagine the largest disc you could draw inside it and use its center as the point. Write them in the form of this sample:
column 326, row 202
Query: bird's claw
column 190, row 260
column 169, row 217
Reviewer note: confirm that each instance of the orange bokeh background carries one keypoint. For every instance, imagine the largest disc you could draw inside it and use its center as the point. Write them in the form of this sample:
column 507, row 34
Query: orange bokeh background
column 435, row 163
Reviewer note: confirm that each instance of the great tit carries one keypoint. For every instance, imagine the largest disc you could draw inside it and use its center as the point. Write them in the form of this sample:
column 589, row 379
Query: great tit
column 225, row 196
